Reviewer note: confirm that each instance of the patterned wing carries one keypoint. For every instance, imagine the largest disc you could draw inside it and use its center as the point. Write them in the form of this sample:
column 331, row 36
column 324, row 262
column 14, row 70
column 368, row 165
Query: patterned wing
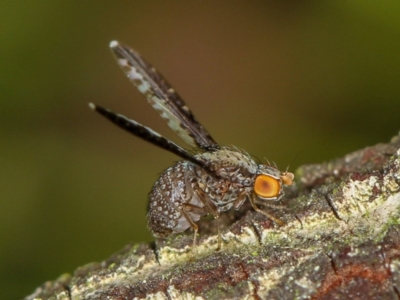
column 148, row 135
column 162, row 97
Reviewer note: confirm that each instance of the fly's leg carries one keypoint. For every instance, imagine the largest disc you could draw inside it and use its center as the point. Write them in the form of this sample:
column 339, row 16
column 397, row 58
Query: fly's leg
column 241, row 198
column 208, row 208
column 185, row 211
column 253, row 201
column 211, row 208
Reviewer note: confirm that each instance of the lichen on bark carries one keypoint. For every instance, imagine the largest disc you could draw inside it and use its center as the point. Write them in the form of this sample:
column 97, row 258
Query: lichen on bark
column 340, row 238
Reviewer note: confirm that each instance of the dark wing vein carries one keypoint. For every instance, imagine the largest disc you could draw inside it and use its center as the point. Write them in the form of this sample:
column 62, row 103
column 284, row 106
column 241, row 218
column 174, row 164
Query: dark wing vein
column 163, row 98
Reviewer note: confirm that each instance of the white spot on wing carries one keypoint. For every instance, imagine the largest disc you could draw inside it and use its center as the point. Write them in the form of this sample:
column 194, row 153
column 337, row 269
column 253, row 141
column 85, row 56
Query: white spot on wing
column 114, row 44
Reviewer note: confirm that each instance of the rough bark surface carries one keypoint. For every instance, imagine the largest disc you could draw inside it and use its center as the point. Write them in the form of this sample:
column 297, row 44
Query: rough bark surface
column 341, row 240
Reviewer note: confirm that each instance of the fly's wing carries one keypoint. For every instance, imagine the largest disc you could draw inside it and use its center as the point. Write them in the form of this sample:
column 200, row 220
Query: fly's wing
column 163, row 98
column 149, row 135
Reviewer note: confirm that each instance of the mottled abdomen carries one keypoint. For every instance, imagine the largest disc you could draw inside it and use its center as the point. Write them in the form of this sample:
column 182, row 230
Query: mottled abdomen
column 172, row 190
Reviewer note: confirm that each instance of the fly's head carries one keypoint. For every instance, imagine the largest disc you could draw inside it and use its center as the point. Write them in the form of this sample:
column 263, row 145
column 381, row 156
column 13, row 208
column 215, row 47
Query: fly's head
column 269, row 182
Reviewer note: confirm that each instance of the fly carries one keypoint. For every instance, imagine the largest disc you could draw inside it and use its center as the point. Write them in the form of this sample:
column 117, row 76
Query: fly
column 213, row 180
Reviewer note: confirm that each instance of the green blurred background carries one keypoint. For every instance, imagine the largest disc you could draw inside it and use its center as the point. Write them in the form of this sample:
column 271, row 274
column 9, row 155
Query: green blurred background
column 294, row 81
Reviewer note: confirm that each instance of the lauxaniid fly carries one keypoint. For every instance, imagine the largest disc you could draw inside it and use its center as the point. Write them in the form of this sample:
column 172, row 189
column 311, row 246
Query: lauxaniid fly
column 212, row 181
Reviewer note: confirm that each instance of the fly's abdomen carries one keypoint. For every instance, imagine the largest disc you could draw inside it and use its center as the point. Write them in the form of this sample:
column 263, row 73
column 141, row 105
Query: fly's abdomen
column 171, row 194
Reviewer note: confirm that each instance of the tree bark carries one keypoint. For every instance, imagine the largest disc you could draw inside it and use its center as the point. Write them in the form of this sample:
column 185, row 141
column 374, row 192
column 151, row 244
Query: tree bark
column 340, row 240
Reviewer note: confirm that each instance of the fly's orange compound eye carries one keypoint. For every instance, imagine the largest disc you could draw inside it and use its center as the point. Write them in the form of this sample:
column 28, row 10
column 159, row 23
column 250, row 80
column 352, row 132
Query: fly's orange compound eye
column 267, row 186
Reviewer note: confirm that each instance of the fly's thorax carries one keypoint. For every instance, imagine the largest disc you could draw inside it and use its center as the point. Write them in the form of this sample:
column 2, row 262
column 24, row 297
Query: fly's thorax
column 233, row 165
column 231, row 173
